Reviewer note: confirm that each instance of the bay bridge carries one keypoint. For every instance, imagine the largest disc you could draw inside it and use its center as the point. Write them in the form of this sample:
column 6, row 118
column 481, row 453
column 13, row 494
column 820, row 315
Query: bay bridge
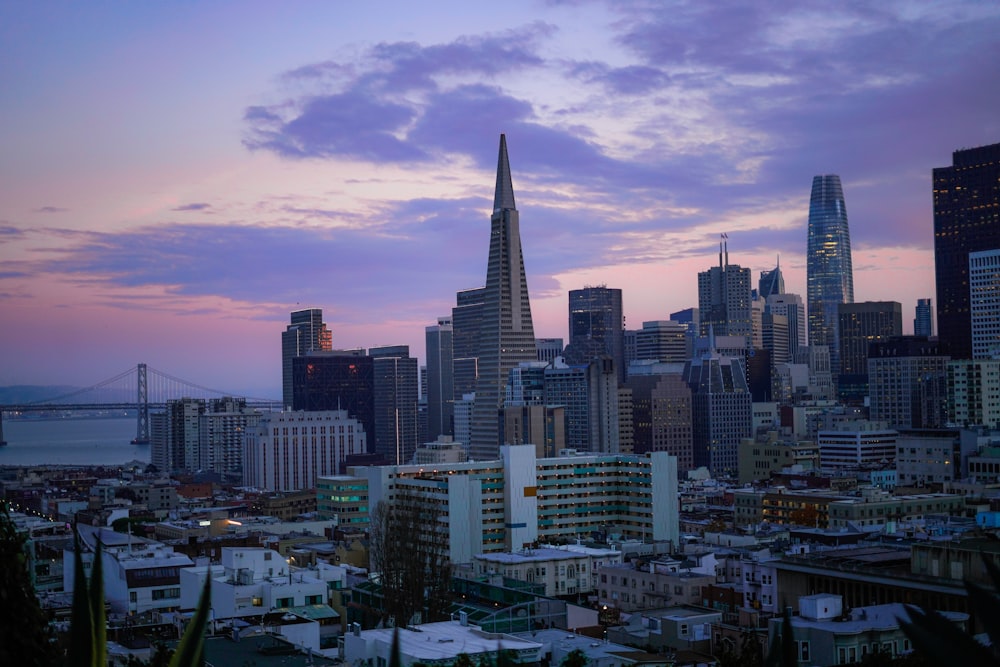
column 140, row 388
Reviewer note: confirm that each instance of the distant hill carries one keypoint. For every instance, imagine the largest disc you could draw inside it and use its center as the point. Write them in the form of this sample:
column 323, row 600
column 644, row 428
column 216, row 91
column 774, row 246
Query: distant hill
column 29, row 393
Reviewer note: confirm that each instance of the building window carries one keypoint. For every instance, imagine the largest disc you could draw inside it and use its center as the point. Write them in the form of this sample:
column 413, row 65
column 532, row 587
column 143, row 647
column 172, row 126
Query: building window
column 803, row 651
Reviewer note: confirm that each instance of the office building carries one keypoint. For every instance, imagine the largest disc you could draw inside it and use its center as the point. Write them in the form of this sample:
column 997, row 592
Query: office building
column 791, row 307
column 596, row 327
column 923, row 319
column 395, row 383
column 966, row 220
column 860, row 325
column 906, row 380
column 467, row 323
column 589, row 392
column 661, row 411
column 337, row 380
column 771, row 283
column 507, row 336
column 774, row 337
column 721, row 411
column 724, row 299
column 856, row 444
column 829, row 271
column 306, row 334
column 662, row 340
column 440, row 375
column 289, row 450
column 548, row 349
column 984, row 302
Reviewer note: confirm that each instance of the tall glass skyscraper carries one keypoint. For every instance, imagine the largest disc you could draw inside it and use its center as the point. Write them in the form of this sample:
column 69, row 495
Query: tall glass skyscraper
column 829, row 274
column 966, row 220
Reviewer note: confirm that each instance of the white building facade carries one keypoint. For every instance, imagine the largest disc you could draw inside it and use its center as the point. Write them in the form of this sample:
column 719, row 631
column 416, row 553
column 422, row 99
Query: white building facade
column 287, row 451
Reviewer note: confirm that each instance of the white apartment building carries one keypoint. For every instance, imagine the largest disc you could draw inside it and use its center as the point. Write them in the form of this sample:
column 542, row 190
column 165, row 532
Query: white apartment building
column 519, row 500
column 250, row 582
column 140, row 575
column 287, row 451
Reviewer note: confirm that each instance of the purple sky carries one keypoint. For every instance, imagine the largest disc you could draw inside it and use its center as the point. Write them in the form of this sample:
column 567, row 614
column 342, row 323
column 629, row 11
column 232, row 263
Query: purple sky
column 176, row 177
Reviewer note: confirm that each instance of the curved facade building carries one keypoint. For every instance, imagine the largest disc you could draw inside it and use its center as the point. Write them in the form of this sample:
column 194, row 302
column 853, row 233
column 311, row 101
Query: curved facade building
column 829, row 274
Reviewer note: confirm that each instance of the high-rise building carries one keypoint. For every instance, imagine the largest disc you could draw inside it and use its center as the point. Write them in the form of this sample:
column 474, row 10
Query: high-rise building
column 974, row 393
column 966, row 219
column 337, row 380
column 860, row 325
column 548, row 348
column 791, row 306
column 440, row 376
column 771, row 282
column 724, row 299
column 596, row 327
column 923, row 320
column 287, row 451
column 589, row 393
column 196, row 434
column 306, row 334
column 721, row 411
column 904, row 377
column 661, row 411
column 467, row 324
column 507, row 336
column 984, row 303
column 663, row 340
column 829, row 272
column 395, row 384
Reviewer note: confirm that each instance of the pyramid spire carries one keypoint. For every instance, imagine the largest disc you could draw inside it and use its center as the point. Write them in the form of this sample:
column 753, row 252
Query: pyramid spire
column 504, row 196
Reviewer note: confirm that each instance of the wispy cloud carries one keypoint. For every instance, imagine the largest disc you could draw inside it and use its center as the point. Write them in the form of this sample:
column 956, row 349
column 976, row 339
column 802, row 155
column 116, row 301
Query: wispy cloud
column 198, row 206
column 50, row 209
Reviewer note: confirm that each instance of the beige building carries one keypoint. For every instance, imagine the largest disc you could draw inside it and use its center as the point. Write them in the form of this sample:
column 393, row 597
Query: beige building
column 768, row 454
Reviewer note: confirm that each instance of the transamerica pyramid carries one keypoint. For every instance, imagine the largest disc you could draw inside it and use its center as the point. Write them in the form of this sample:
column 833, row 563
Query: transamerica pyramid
column 507, row 337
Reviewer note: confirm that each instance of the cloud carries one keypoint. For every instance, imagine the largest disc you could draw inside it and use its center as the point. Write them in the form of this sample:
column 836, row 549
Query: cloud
column 51, row 209
column 198, row 206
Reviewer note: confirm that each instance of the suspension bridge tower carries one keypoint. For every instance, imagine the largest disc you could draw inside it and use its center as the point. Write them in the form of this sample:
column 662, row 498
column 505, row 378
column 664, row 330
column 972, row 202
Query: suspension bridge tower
column 142, row 405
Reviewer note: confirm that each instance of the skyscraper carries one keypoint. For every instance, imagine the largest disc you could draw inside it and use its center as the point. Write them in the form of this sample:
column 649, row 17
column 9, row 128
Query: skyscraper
column 466, row 322
column 596, row 327
column 440, row 379
column 307, row 333
column 771, row 282
column 966, row 219
column 829, row 273
column 724, row 299
column 507, row 336
column 923, row 320
column 861, row 325
column 395, row 385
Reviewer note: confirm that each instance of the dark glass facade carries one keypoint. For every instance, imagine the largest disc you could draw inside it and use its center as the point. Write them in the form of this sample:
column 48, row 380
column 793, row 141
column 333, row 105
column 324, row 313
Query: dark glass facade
column 596, row 327
column 335, row 382
column 829, row 272
column 966, row 219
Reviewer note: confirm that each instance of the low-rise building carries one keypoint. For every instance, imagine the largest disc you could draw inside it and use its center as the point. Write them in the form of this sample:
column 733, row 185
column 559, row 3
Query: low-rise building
column 560, row 572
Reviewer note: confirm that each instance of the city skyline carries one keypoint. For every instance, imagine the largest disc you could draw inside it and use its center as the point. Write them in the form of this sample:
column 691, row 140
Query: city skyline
column 178, row 179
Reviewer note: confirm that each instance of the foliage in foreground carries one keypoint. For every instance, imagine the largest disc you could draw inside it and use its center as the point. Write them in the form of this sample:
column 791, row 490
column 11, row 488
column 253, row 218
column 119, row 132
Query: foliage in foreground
column 88, row 628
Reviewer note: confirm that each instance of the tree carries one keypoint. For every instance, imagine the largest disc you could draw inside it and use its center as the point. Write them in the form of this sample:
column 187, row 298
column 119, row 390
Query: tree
column 575, row 658
column 409, row 553
column 24, row 629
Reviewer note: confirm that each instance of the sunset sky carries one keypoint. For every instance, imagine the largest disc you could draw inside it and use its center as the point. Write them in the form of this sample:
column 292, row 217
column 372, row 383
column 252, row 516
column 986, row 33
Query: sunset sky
column 175, row 178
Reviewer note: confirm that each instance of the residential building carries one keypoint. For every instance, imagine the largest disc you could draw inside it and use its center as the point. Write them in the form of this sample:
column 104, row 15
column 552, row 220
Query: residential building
column 966, row 197
column 507, row 336
column 306, row 334
column 931, row 457
column 511, row 503
column 343, row 499
column 829, row 270
column 558, row 571
column 289, row 450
